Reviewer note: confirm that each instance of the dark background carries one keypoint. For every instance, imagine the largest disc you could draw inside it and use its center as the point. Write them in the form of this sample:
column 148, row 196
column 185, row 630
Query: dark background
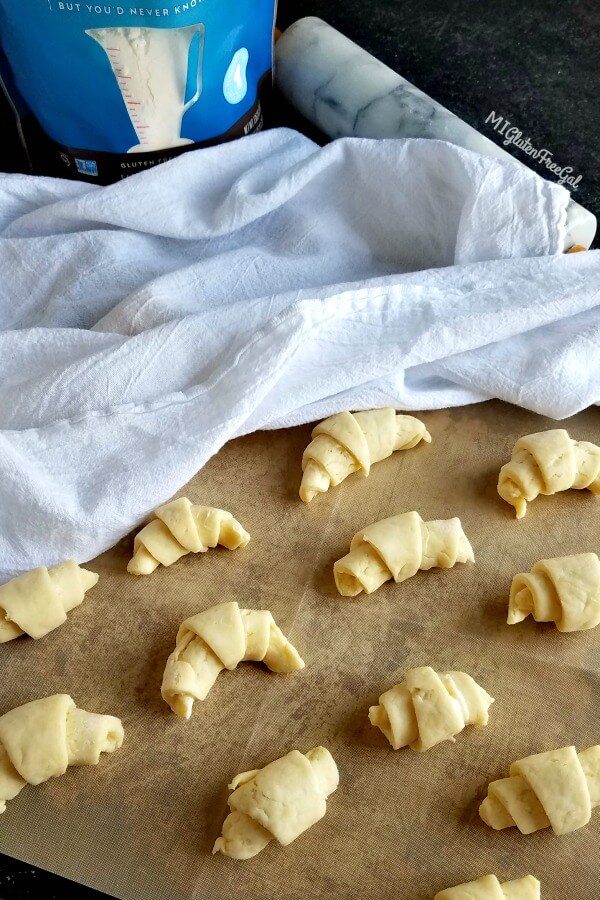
column 535, row 63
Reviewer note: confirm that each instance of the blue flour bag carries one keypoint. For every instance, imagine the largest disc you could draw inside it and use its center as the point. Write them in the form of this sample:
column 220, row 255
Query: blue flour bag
column 114, row 88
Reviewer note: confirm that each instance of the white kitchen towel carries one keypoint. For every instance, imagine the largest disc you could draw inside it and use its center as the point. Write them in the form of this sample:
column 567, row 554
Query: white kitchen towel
column 263, row 283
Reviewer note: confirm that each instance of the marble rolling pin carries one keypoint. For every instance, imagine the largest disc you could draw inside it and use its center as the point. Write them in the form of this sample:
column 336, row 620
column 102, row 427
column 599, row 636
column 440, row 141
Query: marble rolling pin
column 346, row 92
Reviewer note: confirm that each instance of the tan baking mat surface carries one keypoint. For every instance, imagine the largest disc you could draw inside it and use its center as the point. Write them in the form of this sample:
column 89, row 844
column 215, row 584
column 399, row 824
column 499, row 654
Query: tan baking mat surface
column 402, row 825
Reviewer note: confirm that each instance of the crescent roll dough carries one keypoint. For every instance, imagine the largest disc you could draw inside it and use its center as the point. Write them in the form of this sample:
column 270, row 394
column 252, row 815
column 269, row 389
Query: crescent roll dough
column 558, row 788
column 220, row 638
column 565, row 591
column 397, row 548
column 352, row 442
column 179, row 528
column 489, row 888
column 546, row 463
column 427, row 708
column 41, row 739
column 280, row 801
column 37, row 602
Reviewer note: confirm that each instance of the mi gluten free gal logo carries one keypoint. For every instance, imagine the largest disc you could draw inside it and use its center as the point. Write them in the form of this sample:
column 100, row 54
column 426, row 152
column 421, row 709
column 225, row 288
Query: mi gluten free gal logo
column 513, row 135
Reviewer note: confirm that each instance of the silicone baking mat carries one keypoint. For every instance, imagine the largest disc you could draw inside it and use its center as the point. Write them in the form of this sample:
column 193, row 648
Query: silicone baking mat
column 404, row 825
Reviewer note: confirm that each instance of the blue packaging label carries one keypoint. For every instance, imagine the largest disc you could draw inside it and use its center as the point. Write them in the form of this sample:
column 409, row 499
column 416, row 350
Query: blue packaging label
column 120, row 79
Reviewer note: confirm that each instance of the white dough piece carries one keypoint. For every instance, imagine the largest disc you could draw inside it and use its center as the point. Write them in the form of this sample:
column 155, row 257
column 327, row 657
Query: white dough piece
column 489, row 888
column 353, row 442
column 280, row 801
column 178, row 528
column 41, row 739
column 558, row 788
column 565, row 590
column 37, row 602
column 397, row 548
column 546, row 463
column 427, row 708
column 220, row 638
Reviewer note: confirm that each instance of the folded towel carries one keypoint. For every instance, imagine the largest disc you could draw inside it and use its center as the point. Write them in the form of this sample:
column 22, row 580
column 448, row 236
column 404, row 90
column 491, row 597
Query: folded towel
column 260, row 284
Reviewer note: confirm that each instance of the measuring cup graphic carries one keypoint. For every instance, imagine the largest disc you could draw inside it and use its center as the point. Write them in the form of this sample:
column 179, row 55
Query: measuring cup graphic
column 151, row 68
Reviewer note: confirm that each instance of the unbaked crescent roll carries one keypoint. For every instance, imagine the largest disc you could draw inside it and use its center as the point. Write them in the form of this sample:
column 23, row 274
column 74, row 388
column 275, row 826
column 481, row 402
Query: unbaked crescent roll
column 280, row 801
column 353, row 442
column 427, row 708
column 179, row 527
column 41, row 739
column 489, row 888
column 37, row 602
column 397, row 548
column 565, row 591
column 220, row 638
column 546, row 463
column 557, row 788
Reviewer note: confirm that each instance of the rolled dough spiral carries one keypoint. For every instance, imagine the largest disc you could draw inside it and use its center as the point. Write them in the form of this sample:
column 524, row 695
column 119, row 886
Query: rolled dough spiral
column 179, row 527
column 278, row 802
column 545, row 463
column 565, row 590
column 489, row 888
column 37, row 602
column 41, row 739
column 427, row 708
column 220, row 638
column 397, row 548
column 353, row 442
column 558, row 788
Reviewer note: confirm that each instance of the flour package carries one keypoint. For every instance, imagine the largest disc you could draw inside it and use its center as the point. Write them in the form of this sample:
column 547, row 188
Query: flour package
column 102, row 90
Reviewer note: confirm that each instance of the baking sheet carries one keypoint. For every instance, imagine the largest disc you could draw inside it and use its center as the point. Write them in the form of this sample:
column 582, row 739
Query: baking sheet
column 402, row 825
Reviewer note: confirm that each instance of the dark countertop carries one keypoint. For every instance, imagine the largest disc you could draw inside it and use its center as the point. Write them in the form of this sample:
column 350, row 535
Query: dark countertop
column 535, row 64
